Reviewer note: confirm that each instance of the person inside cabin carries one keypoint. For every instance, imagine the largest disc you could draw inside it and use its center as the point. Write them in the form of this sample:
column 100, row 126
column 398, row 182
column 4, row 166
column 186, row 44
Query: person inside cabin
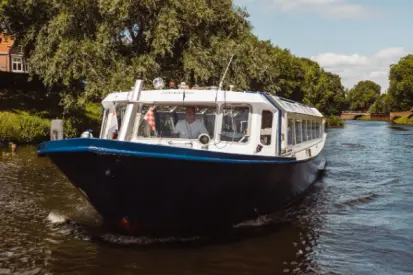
column 266, row 127
column 190, row 127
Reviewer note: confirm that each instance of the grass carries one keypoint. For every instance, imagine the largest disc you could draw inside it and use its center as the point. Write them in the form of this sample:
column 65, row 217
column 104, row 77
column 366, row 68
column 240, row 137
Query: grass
column 22, row 127
column 404, row 120
column 27, row 108
column 25, row 116
column 334, row 122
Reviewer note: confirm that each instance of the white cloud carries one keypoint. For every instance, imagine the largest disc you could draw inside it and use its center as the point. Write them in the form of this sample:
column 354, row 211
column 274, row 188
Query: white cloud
column 338, row 9
column 354, row 68
column 333, row 59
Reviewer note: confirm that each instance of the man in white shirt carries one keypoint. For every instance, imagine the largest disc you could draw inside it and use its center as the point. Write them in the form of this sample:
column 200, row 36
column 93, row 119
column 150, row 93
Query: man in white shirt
column 190, row 127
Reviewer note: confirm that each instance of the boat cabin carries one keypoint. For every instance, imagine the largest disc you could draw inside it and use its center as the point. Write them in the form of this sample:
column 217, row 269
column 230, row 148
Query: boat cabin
column 239, row 122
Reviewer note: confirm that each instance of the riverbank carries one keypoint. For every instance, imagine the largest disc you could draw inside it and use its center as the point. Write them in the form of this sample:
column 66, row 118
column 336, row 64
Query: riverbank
column 404, row 121
column 27, row 108
column 401, row 120
column 334, row 122
column 23, row 127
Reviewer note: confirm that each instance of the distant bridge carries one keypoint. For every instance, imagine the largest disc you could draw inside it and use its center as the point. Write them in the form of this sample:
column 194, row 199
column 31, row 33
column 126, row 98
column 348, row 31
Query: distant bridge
column 395, row 115
column 352, row 115
column 349, row 115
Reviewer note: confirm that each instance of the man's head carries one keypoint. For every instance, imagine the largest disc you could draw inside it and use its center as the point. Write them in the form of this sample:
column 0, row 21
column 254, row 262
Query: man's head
column 190, row 114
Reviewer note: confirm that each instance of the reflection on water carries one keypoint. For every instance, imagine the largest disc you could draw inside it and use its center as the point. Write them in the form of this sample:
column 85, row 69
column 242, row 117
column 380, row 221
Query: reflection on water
column 357, row 219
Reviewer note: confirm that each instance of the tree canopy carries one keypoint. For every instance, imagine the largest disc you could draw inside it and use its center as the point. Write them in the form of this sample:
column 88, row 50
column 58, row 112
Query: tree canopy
column 107, row 44
column 363, row 95
column 400, row 92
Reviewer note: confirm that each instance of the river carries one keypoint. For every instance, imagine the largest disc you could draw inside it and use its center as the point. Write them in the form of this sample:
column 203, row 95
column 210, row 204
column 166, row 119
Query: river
column 357, row 219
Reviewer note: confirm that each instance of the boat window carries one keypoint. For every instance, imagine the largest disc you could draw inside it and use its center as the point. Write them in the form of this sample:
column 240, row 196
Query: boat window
column 235, row 122
column 266, row 127
column 305, row 134
column 312, row 129
column 120, row 113
column 314, row 125
column 104, row 121
column 177, row 121
column 317, row 130
column 321, row 130
column 112, row 121
column 298, row 131
column 291, row 139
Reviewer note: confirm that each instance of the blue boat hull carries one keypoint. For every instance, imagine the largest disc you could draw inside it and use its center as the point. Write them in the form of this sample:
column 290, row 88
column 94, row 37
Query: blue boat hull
column 144, row 189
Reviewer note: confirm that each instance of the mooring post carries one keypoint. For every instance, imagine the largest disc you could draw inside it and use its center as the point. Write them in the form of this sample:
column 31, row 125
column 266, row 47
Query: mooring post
column 56, row 129
column 13, row 147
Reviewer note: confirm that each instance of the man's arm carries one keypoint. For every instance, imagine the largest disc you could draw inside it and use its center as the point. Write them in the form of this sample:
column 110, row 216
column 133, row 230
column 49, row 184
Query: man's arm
column 177, row 128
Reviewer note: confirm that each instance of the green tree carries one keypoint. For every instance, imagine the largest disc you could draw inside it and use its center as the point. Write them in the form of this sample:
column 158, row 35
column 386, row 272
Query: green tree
column 400, row 92
column 74, row 41
column 321, row 89
column 380, row 105
column 363, row 95
column 107, row 44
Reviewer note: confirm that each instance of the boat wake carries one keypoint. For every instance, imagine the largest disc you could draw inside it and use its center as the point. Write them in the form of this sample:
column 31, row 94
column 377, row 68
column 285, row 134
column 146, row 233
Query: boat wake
column 66, row 226
column 361, row 200
column 56, row 218
column 260, row 221
column 353, row 145
column 143, row 240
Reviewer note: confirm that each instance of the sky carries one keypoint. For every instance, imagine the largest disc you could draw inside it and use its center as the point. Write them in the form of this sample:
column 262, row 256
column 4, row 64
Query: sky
column 356, row 39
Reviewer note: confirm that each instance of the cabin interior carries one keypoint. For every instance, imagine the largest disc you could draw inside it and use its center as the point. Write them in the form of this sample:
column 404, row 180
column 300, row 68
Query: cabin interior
column 262, row 129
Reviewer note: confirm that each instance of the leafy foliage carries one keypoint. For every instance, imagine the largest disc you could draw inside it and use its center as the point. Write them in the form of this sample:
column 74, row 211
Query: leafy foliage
column 380, row 105
column 107, row 44
column 23, row 128
column 400, row 93
column 334, row 122
column 363, row 95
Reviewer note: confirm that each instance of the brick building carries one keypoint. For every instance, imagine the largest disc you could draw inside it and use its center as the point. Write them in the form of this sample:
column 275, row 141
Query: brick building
column 11, row 57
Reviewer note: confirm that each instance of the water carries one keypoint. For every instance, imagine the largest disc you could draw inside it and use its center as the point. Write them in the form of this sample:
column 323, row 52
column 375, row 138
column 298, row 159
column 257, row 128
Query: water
column 357, row 220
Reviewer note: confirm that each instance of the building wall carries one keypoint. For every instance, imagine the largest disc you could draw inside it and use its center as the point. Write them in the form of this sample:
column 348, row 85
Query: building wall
column 394, row 115
column 6, row 43
column 4, row 63
column 384, row 117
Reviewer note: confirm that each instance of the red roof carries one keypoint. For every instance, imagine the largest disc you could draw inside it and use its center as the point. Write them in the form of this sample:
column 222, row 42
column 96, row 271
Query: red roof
column 6, row 42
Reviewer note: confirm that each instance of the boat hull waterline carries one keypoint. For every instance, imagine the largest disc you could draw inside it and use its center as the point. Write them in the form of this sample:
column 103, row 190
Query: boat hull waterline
column 144, row 189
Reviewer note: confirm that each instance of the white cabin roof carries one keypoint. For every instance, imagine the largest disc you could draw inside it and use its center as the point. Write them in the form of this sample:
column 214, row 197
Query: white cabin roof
column 210, row 96
column 290, row 106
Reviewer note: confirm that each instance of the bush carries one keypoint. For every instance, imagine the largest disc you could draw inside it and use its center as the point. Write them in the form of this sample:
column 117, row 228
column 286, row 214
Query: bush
column 81, row 119
column 23, row 128
column 404, row 120
column 334, row 122
column 364, row 118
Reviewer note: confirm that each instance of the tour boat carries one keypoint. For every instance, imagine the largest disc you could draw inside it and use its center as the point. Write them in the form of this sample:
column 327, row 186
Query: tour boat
column 193, row 159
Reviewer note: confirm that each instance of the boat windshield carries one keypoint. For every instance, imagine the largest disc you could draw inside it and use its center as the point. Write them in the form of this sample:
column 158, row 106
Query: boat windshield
column 177, row 121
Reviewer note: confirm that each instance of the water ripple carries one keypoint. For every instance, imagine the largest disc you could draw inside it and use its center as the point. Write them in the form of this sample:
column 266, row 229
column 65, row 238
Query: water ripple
column 355, row 220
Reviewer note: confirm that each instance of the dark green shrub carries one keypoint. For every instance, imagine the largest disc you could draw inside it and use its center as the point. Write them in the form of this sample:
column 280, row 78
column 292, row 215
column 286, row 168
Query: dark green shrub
column 334, row 122
column 23, row 128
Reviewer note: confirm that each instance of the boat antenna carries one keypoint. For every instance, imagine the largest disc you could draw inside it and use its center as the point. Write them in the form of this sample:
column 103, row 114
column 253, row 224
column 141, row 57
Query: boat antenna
column 223, row 77
column 225, row 73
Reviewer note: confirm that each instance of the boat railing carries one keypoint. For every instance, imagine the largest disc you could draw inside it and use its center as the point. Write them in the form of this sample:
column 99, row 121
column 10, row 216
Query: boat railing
column 306, row 148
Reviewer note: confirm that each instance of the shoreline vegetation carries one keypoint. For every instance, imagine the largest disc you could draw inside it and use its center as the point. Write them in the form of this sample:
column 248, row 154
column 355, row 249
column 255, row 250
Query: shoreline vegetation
column 21, row 127
column 334, row 122
column 77, row 52
column 399, row 121
column 404, row 121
